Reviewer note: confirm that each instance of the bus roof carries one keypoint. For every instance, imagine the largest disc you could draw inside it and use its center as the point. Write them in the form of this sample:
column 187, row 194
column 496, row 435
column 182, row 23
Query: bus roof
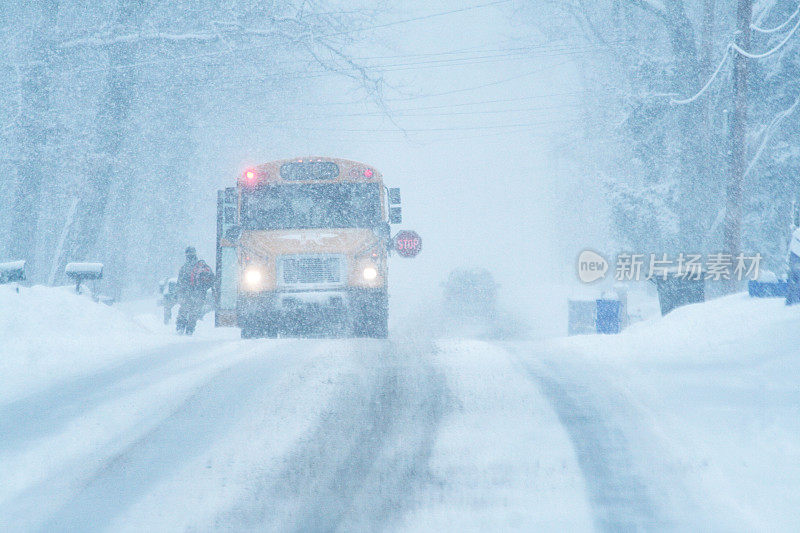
column 347, row 170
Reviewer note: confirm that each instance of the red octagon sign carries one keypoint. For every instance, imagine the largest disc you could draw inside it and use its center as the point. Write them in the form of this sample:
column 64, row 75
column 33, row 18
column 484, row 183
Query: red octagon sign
column 407, row 243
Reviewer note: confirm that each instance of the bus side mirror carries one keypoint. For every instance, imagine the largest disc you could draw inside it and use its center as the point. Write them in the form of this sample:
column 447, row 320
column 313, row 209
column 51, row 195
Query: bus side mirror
column 383, row 231
column 394, row 196
column 395, row 215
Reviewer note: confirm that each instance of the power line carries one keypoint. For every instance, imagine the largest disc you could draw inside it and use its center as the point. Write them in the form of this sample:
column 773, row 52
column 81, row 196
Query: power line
column 552, row 50
column 400, row 114
column 416, row 19
column 738, row 49
column 460, row 104
column 417, row 97
column 492, row 52
column 480, row 58
column 414, row 139
column 256, row 33
column 777, row 47
column 433, row 107
column 777, row 28
column 443, row 129
column 470, row 50
column 476, row 87
column 429, row 137
column 318, row 73
column 496, row 100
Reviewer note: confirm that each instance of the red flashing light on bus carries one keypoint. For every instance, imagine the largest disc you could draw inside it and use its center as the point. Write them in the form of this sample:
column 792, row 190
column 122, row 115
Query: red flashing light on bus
column 368, row 173
column 249, row 178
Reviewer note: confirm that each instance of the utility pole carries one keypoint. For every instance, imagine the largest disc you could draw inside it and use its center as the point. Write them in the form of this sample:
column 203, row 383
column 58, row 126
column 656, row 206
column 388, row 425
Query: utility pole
column 707, row 37
column 733, row 210
column 709, row 158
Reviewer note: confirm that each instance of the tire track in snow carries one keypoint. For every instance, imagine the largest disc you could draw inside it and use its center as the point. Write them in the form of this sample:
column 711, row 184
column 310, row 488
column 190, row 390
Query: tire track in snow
column 45, row 412
column 621, row 498
column 362, row 466
column 201, row 419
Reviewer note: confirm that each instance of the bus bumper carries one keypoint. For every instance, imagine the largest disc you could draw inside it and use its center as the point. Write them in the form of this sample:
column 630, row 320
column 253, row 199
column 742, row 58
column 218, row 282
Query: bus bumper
column 354, row 311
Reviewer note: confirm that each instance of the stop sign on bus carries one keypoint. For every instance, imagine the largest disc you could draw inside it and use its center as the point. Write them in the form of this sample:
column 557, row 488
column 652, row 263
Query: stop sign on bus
column 407, row 243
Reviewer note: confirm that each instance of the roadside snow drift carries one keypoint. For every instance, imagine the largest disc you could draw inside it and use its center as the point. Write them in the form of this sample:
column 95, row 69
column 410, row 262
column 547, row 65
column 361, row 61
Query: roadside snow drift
column 48, row 334
column 702, row 406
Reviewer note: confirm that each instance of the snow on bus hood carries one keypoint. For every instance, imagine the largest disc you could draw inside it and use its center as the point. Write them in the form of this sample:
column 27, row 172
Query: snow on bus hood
column 314, row 241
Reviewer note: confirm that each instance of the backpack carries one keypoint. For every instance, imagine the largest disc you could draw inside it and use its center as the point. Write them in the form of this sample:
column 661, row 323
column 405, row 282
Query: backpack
column 201, row 277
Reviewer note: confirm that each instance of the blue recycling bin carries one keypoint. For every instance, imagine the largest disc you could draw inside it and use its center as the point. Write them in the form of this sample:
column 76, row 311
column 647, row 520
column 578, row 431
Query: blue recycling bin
column 767, row 289
column 608, row 316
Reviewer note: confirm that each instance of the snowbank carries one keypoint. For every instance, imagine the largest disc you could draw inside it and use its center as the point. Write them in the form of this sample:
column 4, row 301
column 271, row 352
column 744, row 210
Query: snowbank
column 48, row 334
column 711, row 396
column 725, row 330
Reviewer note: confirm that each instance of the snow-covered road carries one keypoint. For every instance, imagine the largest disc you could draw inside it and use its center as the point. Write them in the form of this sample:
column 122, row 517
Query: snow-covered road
column 629, row 483
column 161, row 433
column 290, row 435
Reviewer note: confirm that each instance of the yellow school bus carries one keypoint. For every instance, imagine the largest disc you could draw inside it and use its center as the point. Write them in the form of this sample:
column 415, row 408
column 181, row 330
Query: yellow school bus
column 302, row 249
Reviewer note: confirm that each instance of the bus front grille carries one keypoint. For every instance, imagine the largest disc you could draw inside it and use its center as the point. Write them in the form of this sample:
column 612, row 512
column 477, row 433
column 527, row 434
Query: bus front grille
column 324, row 270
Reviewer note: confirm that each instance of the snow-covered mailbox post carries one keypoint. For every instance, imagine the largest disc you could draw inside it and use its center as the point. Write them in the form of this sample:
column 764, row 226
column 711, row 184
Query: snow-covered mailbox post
column 12, row 271
column 80, row 272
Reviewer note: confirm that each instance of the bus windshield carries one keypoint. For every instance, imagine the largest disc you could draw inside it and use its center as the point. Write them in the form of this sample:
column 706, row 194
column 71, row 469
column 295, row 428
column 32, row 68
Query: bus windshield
column 317, row 205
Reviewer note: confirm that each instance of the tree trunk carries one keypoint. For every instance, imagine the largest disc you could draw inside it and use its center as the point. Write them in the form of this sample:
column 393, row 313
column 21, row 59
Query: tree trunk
column 34, row 131
column 111, row 129
column 690, row 157
column 707, row 42
column 709, row 157
column 733, row 209
column 111, row 125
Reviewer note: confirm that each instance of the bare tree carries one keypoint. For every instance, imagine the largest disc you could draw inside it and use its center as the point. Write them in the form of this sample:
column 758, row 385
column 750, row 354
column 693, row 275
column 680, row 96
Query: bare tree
column 33, row 132
column 119, row 60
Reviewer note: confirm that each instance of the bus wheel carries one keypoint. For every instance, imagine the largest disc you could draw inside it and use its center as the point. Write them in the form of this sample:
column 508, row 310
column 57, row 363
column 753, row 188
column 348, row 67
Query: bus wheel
column 270, row 331
column 374, row 325
column 379, row 328
column 252, row 330
column 249, row 331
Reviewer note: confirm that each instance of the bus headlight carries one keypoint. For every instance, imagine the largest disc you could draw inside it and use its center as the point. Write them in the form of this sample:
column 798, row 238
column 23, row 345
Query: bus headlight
column 370, row 273
column 253, row 278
